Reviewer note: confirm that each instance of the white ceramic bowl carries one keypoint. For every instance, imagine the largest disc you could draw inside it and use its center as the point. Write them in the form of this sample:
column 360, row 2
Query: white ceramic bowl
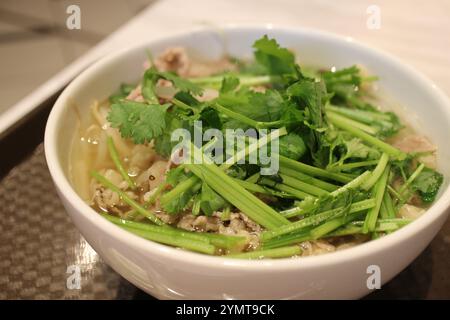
column 166, row 272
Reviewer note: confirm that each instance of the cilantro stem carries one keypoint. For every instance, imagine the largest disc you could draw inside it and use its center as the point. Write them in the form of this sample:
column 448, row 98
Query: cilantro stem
column 136, row 206
column 353, row 123
column 383, row 225
column 219, row 240
column 309, row 179
column 411, row 178
column 253, row 187
column 378, row 192
column 193, row 181
column 116, row 159
column 332, row 225
column 383, row 146
column 196, row 205
column 387, row 207
column 252, row 147
column 236, row 115
column 293, row 191
column 174, row 240
column 354, row 227
column 244, row 119
column 282, row 252
column 355, row 183
column 180, row 188
column 302, row 186
column 359, row 115
column 377, row 172
column 266, row 181
column 313, row 171
column 215, row 81
column 183, row 105
column 352, row 165
column 316, row 219
column 288, row 239
column 224, row 185
column 395, row 193
column 253, row 178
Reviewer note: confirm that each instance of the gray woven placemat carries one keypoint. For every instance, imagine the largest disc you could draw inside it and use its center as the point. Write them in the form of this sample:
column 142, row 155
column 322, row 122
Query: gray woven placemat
column 38, row 242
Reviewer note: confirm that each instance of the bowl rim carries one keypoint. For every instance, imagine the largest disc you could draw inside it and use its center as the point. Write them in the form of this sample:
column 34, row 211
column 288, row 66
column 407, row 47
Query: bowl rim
column 164, row 251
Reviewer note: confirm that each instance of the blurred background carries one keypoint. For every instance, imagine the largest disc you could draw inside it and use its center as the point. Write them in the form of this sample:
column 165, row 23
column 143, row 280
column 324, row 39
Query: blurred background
column 35, row 43
column 39, row 55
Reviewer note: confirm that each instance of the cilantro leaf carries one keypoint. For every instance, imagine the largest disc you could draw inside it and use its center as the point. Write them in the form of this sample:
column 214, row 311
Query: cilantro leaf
column 210, row 201
column 346, row 78
column 276, row 60
column 344, row 147
column 389, row 127
column 176, row 175
column 311, row 96
column 148, row 85
column 139, row 121
column 427, row 184
column 180, row 202
column 151, row 77
column 229, row 83
column 180, row 83
column 211, row 119
column 163, row 143
column 292, row 116
column 259, row 106
column 292, row 146
column 266, row 106
column 312, row 205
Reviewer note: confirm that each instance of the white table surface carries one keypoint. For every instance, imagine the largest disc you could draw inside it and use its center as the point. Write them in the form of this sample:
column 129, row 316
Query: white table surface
column 416, row 31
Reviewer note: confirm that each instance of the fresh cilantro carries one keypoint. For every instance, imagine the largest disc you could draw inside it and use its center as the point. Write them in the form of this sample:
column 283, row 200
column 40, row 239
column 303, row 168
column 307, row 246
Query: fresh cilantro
column 148, row 85
column 180, row 83
column 176, row 175
column 229, row 83
column 179, row 203
column 347, row 77
column 427, row 184
column 292, row 146
column 122, row 93
column 344, row 147
column 210, row 201
column 188, row 99
column 211, row 119
column 138, row 121
column 311, row 95
column 273, row 58
column 260, row 106
column 151, row 77
column 163, row 143
column 330, row 122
